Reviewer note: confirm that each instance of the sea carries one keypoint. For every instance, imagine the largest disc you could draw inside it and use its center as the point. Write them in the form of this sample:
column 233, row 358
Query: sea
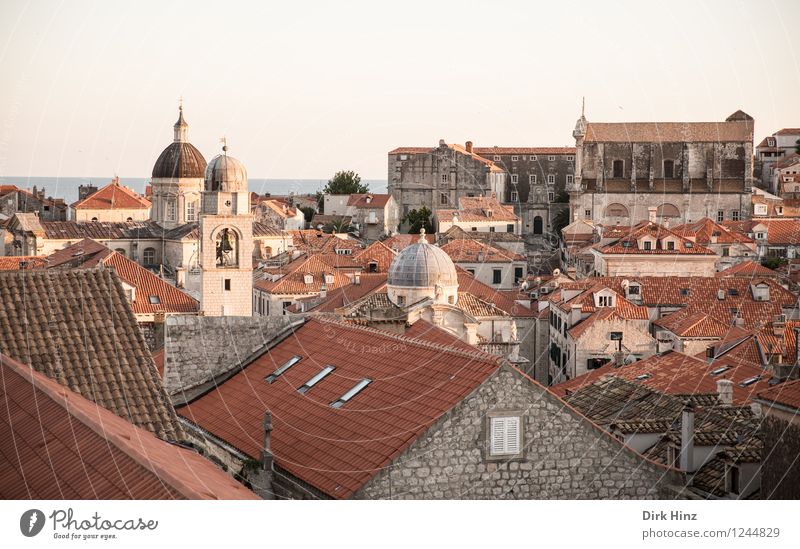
column 67, row 187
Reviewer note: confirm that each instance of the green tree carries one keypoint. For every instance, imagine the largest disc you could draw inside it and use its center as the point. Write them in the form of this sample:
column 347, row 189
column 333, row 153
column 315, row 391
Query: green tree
column 343, row 182
column 338, row 225
column 308, row 212
column 417, row 219
column 771, row 262
column 562, row 197
column 560, row 221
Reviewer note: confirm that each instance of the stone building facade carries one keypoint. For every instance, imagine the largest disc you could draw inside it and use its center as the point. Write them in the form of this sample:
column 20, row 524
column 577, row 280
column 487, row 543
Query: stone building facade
column 439, row 177
column 562, row 456
column 686, row 170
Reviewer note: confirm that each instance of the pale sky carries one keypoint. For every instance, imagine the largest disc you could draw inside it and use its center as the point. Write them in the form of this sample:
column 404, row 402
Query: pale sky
column 303, row 89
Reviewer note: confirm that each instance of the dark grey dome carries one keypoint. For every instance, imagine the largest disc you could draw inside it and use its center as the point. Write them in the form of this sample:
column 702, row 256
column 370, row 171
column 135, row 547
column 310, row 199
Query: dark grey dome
column 180, row 159
column 225, row 173
column 422, row 265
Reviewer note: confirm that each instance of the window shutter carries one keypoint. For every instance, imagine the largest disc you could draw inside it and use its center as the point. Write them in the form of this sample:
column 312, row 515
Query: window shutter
column 498, row 435
column 505, row 435
column 512, row 435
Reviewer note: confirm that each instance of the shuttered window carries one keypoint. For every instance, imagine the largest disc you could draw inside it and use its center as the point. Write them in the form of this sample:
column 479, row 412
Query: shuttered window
column 505, row 435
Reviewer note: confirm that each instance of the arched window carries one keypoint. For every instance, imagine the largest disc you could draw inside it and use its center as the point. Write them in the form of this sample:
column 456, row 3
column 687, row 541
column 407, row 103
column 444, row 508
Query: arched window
column 120, row 251
column 149, row 256
column 616, row 210
column 537, row 225
column 619, row 169
column 94, row 220
column 669, row 168
column 129, row 219
column 227, row 248
column 668, row 210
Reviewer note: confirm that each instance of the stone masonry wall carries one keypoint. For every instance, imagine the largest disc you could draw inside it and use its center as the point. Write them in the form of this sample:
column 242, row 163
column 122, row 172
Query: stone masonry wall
column 198, row 348
column 565, row 456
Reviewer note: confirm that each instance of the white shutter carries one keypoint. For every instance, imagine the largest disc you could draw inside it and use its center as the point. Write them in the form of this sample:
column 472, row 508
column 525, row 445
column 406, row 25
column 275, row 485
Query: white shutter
column 505, row 435
column 512, row 435
column 498, row 435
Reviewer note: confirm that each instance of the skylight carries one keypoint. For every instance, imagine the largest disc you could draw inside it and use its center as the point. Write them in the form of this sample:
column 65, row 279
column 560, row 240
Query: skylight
column 719, row 371
column 155, row 300
column 316, row 379
column 643, row 377
column 288, row 364
column 341, row 401
column 749, row 381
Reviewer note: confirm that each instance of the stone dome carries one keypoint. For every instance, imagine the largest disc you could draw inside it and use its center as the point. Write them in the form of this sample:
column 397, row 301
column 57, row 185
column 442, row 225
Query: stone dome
column 225, row 174
column 180, row 159
column 422, row 265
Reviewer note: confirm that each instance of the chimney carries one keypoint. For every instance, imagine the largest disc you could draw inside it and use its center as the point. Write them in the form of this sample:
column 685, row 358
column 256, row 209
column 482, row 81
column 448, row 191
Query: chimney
column 480, row 257
column 687, row 439
column 442, row 143
column 738, row 321
column 357, row 279
column 778, row 326
column 721, row 294
column 574, row 314
column 651, row 213
column 618, row 356
column 267, row 458
column 725, row 391
column 468, row 146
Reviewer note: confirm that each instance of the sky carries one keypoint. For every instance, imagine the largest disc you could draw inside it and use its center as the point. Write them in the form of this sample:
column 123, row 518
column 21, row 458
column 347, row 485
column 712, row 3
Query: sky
column 304, row 89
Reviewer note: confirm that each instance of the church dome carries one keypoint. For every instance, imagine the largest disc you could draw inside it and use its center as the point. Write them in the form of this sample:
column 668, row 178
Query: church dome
column 180, row 158
column 422, row 265
column 226, row 174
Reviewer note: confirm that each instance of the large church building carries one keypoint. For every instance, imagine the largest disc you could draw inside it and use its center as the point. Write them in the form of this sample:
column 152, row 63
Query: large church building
column 686, row 170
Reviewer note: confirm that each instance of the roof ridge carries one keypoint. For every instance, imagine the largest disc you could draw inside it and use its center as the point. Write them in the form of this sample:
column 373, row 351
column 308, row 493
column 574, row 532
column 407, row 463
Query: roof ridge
column 420, row 343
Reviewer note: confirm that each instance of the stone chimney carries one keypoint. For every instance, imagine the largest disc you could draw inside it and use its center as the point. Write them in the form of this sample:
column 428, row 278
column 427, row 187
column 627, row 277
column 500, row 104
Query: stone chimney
column 575, row 314
column 778, row 326
column 265, row 484
column 468, row 146
column 687, row 439
column 651, row 213
column 357, row 279
column 725, row 391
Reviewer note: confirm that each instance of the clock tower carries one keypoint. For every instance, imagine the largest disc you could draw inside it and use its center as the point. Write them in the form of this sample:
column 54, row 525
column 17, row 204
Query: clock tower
column 226, row 239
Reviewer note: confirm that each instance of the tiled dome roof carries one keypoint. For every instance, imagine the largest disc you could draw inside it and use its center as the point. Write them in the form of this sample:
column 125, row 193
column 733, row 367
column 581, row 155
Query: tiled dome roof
column 422, row 265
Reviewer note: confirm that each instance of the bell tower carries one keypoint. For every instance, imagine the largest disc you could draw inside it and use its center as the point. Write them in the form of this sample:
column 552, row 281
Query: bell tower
column 226, row 239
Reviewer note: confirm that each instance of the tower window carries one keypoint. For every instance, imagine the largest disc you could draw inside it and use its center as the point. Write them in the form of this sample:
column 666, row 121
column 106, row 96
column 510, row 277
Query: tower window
column 669, row 168
column 191, row 211
column 497, row 276
column 149, row 256
column 227, row 284
column 618, row 169
column 171, row 210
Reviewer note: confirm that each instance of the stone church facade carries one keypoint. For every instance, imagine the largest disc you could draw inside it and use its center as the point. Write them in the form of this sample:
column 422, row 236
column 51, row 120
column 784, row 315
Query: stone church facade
column 686, row 170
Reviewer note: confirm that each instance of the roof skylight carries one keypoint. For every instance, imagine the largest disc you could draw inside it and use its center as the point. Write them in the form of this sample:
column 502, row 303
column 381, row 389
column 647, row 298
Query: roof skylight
column 316, row 379
column 749, row 381
column 341, row 401
column 288, row 364
column 720, row 370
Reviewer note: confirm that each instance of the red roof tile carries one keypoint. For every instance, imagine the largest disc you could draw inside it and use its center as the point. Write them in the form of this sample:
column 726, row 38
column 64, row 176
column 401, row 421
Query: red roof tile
column 669, row 132
column 705, row 231
column 337, row 451
column 473, row 251
column 749, row 269
column 294, row 281
column 675, row 373
column 489, row 151
column 628, row 242
column 369, row 200
column 59, row 445
column 12, row 262
column 787, row 393
column 113, row 197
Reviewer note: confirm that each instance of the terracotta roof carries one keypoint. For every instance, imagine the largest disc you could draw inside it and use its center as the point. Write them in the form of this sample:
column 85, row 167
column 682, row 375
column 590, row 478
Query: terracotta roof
column 58, row 445
column 602, row 314
column 375, row 200
column 351, row 293
column 413, row 383
column 477, row 214
column 71, row 230
column 158, row 359
column 472, row 251
column 113, row 197
column 478, row 307
column 788, row 131
column 279, row 207
column 411, row 150
column 89, row 254
column 294, row 281
column 749, row 269
column 12, row 262
column 669, row 132
column 484, row 151
column 629, row 243
column 399, row 242
column 704, row 231
column 469, row 284
column 787, row 394
column 694, row 322
column 262, row 229
column 378, row 254
column 676, row 374
column 77, row 328
column 489, row 237
column 788, row 161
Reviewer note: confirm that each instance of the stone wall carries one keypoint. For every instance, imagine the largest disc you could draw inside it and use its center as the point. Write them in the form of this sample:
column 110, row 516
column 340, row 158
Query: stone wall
column 780, row 469
column 564, row 457
column 198, row 348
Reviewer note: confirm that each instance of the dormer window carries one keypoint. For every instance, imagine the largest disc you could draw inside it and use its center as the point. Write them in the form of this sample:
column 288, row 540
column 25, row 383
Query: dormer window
column 328, row 278
column 648, row 245
column 308, row 278
column 670, row 244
